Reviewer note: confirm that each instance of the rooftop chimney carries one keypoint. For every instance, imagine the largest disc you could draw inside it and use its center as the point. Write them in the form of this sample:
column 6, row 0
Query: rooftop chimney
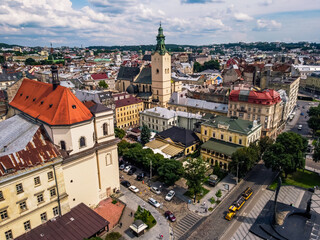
column 55, row 78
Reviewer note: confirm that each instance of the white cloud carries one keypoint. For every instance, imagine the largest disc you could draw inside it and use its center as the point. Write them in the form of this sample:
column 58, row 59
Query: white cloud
column 242, row 17
column 269, row 25
column 266, row 2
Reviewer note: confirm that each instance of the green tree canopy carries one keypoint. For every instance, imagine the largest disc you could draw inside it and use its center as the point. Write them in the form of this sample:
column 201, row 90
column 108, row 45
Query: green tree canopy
column 212, row 64
column 103, row 84
column 194, row 173
column 316, row 153
column 264, row 144
column 287, row 153
column 314, row 120
column 244, row 159
column 170, row 171
column 145, row 134
column 30, row 61
column 120, row 133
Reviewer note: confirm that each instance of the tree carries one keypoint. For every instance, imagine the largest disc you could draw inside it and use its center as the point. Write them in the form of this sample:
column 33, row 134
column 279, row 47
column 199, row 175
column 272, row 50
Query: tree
column 314, row 120
column 264, row 144
column 120, row 133
column 316, row 152
column 123, row 147
column 218, row 194
column 103, row 84
column 194, row 173
column 170, row 171
column 243, row 160
column 145, row 134
column 287, row 153
column 197, row 67
column 30, row 61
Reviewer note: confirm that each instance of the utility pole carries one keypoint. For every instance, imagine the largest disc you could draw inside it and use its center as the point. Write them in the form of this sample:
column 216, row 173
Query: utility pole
column 238, row 172
column 150, row 168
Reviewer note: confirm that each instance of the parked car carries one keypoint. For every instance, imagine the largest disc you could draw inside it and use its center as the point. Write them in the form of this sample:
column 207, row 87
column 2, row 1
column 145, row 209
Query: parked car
column 126, row 183
column 154, row 202
column 127, row 168
column 302, row 114
column 134, row 189
column 212, row 182
column 132, row 170
column 155, row 190
column 122, row 166
column 299, row 127
column 170, row 195
column 140, row 176
column 169, row 215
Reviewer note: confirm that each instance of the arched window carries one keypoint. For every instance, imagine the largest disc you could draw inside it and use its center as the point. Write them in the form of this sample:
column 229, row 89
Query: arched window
column 157, row 70
column 63, row 145
column 105, row 129
column 82, row 142
column 143, row 88
column 123, row 86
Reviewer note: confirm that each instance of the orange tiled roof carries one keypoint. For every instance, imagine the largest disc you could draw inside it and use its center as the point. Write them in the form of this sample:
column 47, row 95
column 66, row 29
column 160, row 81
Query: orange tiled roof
column 54, row 107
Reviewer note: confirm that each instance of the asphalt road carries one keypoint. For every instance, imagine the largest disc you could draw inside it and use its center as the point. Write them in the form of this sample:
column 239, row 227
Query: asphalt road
column 215, row 225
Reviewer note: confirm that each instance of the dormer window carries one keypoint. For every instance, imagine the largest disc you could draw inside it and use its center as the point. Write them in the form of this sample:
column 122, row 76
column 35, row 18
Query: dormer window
column 74, row 106
column 63, row 145
column 50, row 105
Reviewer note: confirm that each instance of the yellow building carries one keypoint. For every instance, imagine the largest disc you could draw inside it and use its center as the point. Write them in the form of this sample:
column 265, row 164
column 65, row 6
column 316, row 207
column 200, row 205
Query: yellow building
column 127, row 110
column 32, row 189
column 222, row 136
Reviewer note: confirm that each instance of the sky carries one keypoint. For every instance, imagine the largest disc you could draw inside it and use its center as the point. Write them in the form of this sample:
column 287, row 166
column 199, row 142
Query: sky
column 135, row 22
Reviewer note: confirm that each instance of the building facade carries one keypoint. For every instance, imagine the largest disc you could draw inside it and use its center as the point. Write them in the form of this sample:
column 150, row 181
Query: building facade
column 263, row 106
column 127, row 110
column 222, row 136
column 32, row 188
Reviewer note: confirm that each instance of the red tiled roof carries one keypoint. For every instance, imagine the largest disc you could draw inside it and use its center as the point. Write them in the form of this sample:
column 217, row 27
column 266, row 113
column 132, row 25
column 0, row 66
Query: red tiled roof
column 99, row 76
column 267, row 97
column 127, row 101
column 109, row 211
column 54, row 107
column 39, row 150
column 80, row 223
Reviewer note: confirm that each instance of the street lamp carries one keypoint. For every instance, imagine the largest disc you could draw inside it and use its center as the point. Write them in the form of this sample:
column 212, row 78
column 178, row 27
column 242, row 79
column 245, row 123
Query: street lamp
column 238, row 172
column 150, row 169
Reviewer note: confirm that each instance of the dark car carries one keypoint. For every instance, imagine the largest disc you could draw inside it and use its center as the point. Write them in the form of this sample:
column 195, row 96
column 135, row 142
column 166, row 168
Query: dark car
column 132, row 171
column 126, row 183
column 169, row 215
column 141, row 176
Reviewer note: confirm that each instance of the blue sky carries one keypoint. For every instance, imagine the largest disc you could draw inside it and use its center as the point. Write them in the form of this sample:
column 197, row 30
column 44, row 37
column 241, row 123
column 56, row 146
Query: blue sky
column 135, row 22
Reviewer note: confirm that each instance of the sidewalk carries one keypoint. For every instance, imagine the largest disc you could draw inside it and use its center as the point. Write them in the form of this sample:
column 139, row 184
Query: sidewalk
column 202, row 207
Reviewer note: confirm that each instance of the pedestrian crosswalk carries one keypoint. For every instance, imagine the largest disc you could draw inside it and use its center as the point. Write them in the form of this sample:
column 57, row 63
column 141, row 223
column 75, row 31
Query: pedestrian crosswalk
column 185, row 224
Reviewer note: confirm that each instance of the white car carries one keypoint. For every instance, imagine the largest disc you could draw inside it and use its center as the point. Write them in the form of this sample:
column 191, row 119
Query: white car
column 299, row 127
column 134, row 189
column 127, row 168
column 170, row 195
column 154, row 202
column 155, row 190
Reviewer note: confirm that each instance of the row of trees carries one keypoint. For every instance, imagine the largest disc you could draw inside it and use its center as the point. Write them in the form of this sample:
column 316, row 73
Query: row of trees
column 314, row 120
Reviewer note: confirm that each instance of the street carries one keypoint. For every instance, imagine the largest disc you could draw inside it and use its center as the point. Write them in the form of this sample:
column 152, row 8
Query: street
column 258, row 178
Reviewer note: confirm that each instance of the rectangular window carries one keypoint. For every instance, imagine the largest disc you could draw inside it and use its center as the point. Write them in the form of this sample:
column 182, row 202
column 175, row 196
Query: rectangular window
column 53, row 192
column 221, row 136
column 37, row 181
column 8, row 235
column 205, row 132
column 55, row 211
column 43, row 217
column 4, row 214
column 19, row 188
column 241, row 114
column 249, row 116
column 249, row 109
column 254, row 110
column 50, row 175
column 40, row 198
column 214, row 134
column 230, row 139
column 234, row 113
column 27, row 225
column 240, row 141
column 23, row 206
column 1, row 196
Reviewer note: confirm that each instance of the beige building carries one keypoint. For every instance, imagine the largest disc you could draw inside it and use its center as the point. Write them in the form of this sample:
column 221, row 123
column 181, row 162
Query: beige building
column 32, row 189
column 222, row 136
column 263, row 106
column 291, row 86
column 127, row 109
column 85, row 135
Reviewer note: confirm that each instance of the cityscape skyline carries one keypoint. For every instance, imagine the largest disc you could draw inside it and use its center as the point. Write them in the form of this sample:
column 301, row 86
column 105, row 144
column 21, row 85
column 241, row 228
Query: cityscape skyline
column 131, row 22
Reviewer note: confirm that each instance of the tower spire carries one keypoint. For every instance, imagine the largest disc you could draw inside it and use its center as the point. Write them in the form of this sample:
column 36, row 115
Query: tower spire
column 161, row 47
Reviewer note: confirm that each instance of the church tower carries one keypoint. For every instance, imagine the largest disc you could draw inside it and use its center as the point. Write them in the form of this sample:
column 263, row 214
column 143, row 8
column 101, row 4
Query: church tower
column 161, row 72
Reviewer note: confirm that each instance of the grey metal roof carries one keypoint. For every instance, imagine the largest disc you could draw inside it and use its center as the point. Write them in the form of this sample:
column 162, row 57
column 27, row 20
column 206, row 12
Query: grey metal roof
column 128, row 73
column 15, row 133
column 144, row 76
column 5, row 77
